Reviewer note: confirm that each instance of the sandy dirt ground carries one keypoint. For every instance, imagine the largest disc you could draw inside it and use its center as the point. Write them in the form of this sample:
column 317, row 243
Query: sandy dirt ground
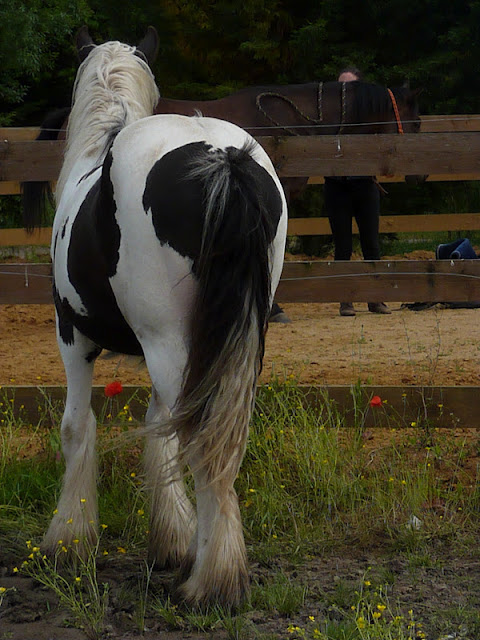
column 435, row 346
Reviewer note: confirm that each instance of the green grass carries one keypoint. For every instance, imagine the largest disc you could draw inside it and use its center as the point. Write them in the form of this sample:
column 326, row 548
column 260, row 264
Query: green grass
column 310, row 486
column 400, row 243
column 76, row 586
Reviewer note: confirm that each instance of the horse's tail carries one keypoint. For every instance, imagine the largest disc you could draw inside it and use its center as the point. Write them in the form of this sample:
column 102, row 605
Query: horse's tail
column 243, row 207
column 37, row 197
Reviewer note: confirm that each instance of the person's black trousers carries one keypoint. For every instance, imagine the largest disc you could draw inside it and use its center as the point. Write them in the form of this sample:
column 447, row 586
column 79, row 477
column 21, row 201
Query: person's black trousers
column 348, row 198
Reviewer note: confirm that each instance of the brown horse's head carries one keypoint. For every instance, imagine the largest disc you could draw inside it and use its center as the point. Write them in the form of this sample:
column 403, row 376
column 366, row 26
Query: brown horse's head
column 407, row 104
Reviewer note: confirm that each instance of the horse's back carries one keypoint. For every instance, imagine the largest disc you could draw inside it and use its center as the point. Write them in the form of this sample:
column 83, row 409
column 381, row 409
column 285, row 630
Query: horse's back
column 151, row 138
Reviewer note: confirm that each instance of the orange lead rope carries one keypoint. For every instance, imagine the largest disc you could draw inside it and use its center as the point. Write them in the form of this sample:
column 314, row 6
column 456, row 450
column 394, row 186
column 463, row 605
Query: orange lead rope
column 395, row 109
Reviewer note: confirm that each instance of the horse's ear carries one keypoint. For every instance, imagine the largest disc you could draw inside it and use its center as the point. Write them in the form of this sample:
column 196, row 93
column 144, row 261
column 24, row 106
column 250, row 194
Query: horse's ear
column 149, row 45
column 84, row 43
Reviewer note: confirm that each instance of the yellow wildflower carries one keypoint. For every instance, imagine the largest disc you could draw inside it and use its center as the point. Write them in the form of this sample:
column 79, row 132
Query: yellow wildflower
column 361, row 622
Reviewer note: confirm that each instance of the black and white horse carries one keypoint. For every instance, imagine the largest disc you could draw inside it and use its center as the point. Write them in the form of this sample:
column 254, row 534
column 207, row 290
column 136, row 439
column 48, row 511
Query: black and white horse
column 168, row 243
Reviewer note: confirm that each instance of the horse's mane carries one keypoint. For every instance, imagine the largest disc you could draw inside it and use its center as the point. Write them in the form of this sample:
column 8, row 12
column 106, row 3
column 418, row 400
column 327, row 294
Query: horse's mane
column 113, row 88
column 367, row 100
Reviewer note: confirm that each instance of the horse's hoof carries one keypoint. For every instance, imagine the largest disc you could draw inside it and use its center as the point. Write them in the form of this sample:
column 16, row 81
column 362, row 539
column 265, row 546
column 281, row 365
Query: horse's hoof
column 280, row 317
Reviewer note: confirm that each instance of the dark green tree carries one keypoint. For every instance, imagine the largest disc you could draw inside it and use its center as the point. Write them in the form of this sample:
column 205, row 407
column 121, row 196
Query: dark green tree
column 210, row 48
column 434, row 44
column 36, row 53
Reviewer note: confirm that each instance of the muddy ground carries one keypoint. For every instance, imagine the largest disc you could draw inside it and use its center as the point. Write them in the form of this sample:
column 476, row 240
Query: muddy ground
column 447, row 583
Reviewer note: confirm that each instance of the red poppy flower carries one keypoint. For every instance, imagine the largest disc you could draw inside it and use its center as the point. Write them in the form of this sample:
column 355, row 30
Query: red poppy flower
column 376, row 401
column 113, row 389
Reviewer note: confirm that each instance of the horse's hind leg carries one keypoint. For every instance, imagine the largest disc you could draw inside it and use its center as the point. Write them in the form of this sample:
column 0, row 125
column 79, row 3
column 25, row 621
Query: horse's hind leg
column 220, row 570
column 172, row 519
column 76, row 516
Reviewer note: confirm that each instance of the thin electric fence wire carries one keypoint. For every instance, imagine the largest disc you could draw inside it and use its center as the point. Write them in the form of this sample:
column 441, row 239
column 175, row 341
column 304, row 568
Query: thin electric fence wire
column 338, row 124
column 29, row 274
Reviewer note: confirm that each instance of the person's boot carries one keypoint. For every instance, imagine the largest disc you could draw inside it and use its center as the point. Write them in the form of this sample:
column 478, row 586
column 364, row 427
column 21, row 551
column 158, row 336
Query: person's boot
column 346, row 309
column 378, row 307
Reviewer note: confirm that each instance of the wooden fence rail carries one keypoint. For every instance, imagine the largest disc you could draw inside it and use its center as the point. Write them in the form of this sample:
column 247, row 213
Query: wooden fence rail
column 299, row 156
column 446, row 407
column 443, row 150
column 376, row 281
column 301, row 227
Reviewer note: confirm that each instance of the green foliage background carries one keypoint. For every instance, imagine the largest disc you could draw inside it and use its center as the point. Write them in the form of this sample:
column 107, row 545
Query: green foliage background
column 210, row 48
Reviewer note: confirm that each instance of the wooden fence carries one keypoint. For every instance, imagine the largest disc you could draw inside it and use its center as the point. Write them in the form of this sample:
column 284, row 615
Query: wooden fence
column 448, row 148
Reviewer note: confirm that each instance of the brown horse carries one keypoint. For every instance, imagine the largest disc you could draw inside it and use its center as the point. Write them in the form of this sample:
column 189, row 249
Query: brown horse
column 314, row 108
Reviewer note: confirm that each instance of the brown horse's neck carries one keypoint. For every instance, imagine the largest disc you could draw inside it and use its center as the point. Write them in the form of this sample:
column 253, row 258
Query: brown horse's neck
column 264, row 110
column 313, row 108
column 207, row 108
